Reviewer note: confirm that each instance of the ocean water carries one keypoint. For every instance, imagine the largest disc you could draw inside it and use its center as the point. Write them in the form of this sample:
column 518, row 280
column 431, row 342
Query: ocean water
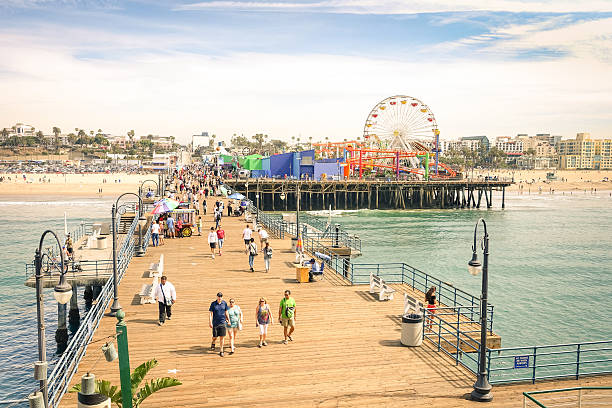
column 22, row 222
column 550, row 260
column 550, row 265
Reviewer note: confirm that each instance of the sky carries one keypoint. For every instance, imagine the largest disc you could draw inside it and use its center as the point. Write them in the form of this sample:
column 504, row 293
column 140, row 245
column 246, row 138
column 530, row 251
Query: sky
column 308, row 68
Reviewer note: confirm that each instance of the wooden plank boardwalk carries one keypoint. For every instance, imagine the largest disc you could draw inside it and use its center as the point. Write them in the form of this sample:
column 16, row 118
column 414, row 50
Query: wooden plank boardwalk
column 346, row 350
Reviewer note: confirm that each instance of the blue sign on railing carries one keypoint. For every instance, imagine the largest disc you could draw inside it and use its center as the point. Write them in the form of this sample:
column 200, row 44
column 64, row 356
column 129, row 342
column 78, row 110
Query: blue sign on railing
column 521, row 361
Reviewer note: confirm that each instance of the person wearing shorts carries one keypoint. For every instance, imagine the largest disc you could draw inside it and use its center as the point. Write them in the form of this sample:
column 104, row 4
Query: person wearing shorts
column 246, row 235
column 287, row 315
column 217, row 320
column 263, row 317
column 212, row 241
column 235, row 323
column 220, row 237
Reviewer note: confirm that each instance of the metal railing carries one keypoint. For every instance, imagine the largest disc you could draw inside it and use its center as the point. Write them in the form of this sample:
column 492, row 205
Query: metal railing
column 576, row 396
column 443, row 329
column 74, row 268
column 67, row 365
column 85, row 228
column 447, row 294
column 451, row 336
column 573, row 360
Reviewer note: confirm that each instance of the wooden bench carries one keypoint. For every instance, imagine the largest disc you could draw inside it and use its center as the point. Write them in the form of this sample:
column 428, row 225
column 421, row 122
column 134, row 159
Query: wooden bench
column 157, row 269
column 412, row 306
column 378, row 285
column 146, row 292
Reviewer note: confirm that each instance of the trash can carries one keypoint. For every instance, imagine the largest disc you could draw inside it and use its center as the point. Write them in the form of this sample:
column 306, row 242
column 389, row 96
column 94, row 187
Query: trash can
column 102, row 243
column 293, row 244
column 412, row 330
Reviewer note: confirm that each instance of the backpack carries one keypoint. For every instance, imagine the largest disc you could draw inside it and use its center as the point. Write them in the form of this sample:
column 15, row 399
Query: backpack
column 289, row 311
column 253, row 249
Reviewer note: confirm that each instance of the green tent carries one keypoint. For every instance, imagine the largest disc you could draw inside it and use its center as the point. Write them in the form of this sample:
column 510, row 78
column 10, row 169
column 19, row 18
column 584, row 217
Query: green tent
column 252, row 162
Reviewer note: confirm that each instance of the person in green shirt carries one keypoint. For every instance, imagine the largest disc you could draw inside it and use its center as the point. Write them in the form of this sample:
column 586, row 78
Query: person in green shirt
column 287, row 315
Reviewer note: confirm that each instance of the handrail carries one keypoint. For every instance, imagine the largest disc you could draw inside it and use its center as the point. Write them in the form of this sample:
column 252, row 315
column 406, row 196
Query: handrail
column 467, row 311
column 66, row 366
column 530, row 395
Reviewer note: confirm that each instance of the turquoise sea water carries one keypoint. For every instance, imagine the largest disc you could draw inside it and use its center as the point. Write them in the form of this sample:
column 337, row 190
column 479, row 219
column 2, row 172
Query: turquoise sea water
column 550, row 262
column 550, row 265
column 22, row 222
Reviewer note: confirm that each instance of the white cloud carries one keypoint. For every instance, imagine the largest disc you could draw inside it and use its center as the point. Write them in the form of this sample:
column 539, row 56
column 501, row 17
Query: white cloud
column 405, row 7
column 585, row 39
column 312, row 95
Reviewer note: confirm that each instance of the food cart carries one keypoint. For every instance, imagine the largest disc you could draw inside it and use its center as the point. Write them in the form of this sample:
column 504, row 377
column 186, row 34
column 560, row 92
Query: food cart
column 188, row 221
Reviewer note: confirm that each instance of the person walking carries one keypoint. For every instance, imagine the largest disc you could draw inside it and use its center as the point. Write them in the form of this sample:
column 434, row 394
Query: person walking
column 229, row 209
column 220, row 237
column 287, row 315
column 247, row 233
column 204, row 206
column 155, row 233
column 235, row 323
column 162, row 231
column 165, row 294
column 217, row 217
column 217, row 321
column 200, row 225
column 212, row 241
column 170, row 224
column 267, row 252
column 252, row 253
column 263, row 237
column 263, row 317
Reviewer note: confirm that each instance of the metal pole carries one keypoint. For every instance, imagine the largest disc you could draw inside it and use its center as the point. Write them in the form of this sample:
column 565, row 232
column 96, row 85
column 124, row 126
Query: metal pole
column 297, row 213
column 115, row 306
column 40, row 314
column 482, row 388
column 124, row 360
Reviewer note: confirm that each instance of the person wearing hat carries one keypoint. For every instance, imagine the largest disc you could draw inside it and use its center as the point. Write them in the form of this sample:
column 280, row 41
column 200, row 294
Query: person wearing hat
column 218, row 319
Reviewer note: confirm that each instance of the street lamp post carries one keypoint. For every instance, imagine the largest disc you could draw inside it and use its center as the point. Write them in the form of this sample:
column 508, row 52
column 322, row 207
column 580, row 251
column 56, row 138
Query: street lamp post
column 62, row 293
column 297, row 212
column 116, row 209
column 482, row 388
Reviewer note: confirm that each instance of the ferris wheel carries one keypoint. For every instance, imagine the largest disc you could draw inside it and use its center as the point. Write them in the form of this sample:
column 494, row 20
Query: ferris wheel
column 400, row 123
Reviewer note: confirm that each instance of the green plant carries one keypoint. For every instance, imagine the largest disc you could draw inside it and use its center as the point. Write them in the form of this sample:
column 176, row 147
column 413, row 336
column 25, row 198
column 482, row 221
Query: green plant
column 138, row 395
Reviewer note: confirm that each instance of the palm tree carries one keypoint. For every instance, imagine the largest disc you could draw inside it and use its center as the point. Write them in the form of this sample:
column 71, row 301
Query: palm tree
column 57, row 132
column 114, row 392
column 131, row 134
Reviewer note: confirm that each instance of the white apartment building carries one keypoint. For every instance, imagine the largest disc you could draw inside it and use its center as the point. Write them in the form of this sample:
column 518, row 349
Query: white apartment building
column 509, row 145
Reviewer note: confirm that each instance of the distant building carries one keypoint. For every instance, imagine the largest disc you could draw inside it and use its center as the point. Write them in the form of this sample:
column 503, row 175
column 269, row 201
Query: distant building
column 475, row 142
column 200, row 140
column 585, row 153
column 509, row 146
column 19, row 130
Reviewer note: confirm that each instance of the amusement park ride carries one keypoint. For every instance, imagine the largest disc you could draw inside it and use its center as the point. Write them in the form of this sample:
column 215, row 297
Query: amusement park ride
column 396, row 135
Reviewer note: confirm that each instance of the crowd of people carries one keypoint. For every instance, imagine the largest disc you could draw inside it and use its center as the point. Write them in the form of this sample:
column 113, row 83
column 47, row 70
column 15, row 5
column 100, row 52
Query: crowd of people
column 194, row 187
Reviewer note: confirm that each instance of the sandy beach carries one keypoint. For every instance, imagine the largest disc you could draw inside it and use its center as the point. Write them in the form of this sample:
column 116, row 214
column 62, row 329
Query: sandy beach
column 79, row 185
column 89, row 185
column 534, row 180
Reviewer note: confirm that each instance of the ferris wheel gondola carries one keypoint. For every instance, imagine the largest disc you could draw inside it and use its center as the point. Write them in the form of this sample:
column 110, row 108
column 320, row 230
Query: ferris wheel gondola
column 401, row 123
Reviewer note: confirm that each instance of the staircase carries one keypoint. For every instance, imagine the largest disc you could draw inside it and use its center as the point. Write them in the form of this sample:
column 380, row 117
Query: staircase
column 125, row 223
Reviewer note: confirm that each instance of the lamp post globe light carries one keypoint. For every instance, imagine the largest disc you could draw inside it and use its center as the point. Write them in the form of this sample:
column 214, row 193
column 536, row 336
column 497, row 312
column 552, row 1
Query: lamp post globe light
column 482, row 388
column 62, row 293
column 121, row 210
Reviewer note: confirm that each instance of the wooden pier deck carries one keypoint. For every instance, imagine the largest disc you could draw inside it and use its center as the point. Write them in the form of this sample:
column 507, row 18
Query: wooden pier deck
column 346, row 350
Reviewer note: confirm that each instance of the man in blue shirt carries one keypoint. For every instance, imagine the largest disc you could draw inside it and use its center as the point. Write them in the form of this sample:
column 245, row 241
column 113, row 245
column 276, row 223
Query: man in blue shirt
column 170, row 224
column 218, row 319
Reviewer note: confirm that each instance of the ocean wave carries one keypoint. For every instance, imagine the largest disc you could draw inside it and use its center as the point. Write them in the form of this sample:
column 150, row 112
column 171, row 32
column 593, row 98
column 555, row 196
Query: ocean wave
column 54, row 203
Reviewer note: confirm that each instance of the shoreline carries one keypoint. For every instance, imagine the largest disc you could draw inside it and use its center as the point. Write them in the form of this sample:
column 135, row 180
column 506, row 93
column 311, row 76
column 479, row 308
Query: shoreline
column 105, row 186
